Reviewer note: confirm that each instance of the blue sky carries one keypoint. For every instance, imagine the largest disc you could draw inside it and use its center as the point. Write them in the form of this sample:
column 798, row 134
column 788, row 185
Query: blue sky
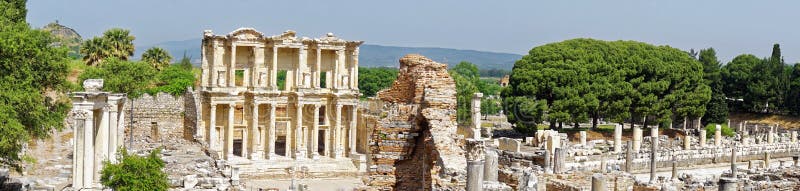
column 732, row 27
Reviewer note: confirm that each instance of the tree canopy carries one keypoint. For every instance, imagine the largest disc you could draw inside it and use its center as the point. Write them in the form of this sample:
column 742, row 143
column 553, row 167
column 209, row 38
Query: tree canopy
column 373, row 80
column 115, row 42
column 574, row 80
column 32, row 72
column 157, row 57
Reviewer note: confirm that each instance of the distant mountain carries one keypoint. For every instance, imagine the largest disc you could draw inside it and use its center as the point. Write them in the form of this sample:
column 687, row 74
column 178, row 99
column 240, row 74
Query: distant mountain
column 372, row 55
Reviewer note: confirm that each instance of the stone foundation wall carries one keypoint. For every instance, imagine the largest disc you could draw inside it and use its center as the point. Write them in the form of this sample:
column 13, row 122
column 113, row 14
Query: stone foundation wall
column 165, row 113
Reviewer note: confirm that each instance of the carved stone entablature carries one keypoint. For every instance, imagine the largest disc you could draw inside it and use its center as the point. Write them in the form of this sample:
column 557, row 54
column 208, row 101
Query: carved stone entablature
column 93, row 85
column 249, row 34
column 475, row 150
column 80, row 113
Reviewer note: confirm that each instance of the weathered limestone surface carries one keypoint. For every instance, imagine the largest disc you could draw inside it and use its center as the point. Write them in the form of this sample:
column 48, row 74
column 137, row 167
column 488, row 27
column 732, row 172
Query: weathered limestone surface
column 417, row 145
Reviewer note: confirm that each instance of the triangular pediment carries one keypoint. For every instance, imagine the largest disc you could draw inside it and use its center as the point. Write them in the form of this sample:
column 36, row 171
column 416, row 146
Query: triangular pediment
column 246, row 34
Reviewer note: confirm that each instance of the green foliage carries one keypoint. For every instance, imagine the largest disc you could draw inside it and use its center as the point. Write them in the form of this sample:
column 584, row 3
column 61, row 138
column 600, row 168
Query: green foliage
column 711, row 129
column 490, row 106
column 281, row 83
column 494, row 73
column 135, row 173
column 157, row 57
column 31, row 71
column 465, row 90
column 574, row 80
column 185, row 63
column 115, row 42
column 174, row 80
column 759, row 85
column 372, row 80
column 132, row 78
column 717, row 108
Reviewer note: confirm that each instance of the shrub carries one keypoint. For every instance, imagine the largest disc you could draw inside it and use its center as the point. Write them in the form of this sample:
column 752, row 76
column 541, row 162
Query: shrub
column 712, row 128
column 134, row 173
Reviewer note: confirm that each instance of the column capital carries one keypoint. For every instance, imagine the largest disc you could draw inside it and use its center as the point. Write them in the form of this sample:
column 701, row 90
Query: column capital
column 232, row 105
column 80, row 114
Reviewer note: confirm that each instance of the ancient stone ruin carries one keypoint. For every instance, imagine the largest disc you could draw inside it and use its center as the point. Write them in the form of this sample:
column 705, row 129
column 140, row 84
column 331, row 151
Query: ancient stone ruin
column 414, row 145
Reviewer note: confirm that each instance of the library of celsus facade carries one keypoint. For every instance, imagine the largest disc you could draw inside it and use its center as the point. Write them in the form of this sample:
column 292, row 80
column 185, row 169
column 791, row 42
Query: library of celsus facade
column 279, row 97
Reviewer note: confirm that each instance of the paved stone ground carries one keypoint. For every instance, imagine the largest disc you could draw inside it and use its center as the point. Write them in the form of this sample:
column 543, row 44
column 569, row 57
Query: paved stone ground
column 710, row 171
column 314, row 184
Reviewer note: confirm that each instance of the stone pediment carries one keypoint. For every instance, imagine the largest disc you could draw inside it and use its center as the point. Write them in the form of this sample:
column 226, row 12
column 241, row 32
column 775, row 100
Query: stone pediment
column 246, row 34
column 289, row 35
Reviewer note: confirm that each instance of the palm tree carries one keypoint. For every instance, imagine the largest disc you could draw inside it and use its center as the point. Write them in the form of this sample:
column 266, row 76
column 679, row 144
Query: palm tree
column 157, row 57
column 94, row 51
column 120, row 41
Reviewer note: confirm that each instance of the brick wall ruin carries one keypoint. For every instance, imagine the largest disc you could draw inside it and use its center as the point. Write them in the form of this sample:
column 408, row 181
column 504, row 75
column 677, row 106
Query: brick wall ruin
column 413, row 144
column 172, row 116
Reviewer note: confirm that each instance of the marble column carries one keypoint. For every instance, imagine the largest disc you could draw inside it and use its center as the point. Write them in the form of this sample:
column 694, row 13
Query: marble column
column 476, row 116
column 298, row 129
column 771, row 136
column 629, row 157
column 229, row 132
column 336, row 71
column 113, row 115
column 88, row 150
column 793, row 135
column 687, row 142
column 599, row 182
column 674, row 163
column 718, row 136
column 490, row 166
column 354, row 75
column 83, row 123
column 702, row 138
column 273, row 77
column 232, row 67
column 271, row 132
column 766, row 160
column 547, row 162
column 315, row 133
column 558, row 161
column 318, row 72
column 728, row 184
column 255, row 135
column 637, row 139
column 733, row 161
column 475, row 159
column 618, row 138
column 653, row 152
column 212, row 128
column 101, row 141
column 337, row 139
column 351, row 137
column 583, row 138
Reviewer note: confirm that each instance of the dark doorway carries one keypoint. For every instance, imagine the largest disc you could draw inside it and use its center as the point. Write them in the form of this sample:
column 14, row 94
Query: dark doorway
column 321, row 142
column 237, row 147
column 280, row 146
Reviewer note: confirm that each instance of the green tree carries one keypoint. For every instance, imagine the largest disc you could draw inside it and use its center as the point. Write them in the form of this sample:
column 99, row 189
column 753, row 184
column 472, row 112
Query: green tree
column 120, row 43
column 648, row 84
column 31, row 74
column 157, row 57
column 465, row 90
column 717, row 108
column 373, row 80
column 132, row 78
column 185, row 62
column 174, row 80
column 793, row 100
column 135, row 173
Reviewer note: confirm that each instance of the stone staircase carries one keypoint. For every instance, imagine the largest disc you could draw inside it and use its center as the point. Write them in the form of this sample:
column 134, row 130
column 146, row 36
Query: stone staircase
column 276, row 168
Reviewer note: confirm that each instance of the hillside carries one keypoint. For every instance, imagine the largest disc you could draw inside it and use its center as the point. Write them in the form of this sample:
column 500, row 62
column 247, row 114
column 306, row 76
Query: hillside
column 372, row 55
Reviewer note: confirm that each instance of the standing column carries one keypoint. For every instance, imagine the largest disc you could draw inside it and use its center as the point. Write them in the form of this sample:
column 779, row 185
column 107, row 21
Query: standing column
column 231, row 68
column 653, row 151
column 298, row 135
column 547, row 162
column 257, row 147
column 733, row 161
column 687, row 142
column 718, row 136
column 629, row 157
column 674, row 163
column 354, row 76
column 112, row 131
column 583, row 138
column 336, row 69
column 702, row 138
column 212, row 128
column 271, row 132
column 317, row 74
column 475, row 157
column 101, row 143
column 353, row 130
column 273, row 77
column 476, row 115
column 121, row 125
column 229, row 132
column 637, row 139
column 302, row 62
column 78, row 154
column 793, row 135
column 315, row 132
column 770, row 136
column 618, row 138
column 337, row 149
column 88, row 150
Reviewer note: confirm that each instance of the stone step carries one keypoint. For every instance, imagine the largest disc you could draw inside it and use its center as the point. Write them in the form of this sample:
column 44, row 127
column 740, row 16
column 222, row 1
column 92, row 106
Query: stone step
column 276, row 168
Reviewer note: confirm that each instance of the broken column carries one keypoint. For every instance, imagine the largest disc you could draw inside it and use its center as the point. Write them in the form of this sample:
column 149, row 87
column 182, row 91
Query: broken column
column 728, row 184
column 475, row 161
column 733, row 161
column 674, row 168
column 558, row 160
column 637, row 139
column 771, row 136
column 476, row 116
column 702, row 138
column 718, row 136
column 629, row 157
column 599, row 182
column 583, row 138
column 618, row 138
column 653, row 161
column 687, row 142
column 547, row 162
column 793, row 137
column 490, row 166
column 766, row 160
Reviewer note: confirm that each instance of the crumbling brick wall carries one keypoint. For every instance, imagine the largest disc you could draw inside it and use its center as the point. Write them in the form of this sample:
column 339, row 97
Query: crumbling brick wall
column 414, row 145
column 164, row 111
